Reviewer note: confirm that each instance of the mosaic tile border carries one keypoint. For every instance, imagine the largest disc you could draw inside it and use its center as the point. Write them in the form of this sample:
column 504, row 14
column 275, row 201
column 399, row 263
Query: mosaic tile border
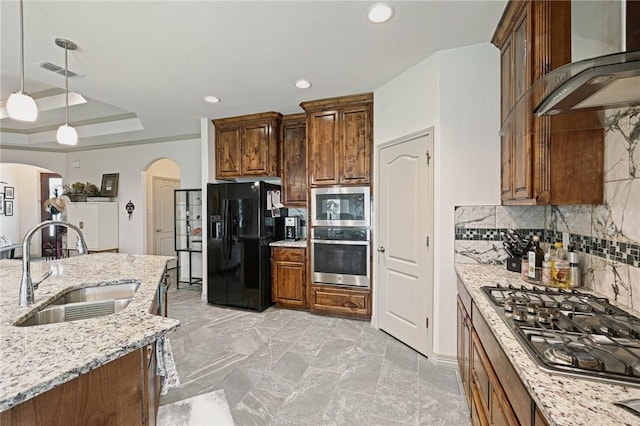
column 618, row 251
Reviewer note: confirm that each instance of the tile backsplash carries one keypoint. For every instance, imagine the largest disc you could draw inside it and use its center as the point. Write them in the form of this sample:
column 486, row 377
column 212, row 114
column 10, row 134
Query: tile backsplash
column 606, row 236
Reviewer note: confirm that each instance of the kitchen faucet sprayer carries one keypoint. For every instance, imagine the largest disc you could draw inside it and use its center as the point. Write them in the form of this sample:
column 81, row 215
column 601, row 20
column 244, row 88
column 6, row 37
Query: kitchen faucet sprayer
column 27, row 285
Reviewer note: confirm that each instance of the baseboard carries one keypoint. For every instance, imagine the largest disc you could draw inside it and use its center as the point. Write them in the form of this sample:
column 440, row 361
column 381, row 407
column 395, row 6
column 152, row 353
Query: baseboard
column 444, row 360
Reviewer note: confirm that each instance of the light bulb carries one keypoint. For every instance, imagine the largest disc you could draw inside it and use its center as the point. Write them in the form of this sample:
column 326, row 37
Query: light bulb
column 22, row 107
column 67, row 135
column 380, row 13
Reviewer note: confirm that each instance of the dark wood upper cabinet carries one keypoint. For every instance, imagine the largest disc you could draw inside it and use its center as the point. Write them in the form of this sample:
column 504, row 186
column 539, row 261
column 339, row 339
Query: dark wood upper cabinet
column 340, row 140
column 542, row 161
column 294, row 160
column 247, row 145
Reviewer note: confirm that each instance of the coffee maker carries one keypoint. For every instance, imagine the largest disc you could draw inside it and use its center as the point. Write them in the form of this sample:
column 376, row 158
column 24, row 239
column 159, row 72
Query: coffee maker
column 292, row 228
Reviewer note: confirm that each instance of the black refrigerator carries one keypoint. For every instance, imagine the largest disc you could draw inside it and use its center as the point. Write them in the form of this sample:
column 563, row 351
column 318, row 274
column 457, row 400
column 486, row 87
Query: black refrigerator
column 241, row 226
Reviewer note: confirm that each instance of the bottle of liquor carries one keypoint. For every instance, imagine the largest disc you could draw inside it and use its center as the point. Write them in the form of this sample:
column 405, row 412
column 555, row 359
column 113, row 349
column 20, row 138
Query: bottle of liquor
column 536, row 256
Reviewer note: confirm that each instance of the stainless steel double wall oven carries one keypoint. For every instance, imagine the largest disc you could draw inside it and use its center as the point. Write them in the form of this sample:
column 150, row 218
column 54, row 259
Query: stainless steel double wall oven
column 341, row 236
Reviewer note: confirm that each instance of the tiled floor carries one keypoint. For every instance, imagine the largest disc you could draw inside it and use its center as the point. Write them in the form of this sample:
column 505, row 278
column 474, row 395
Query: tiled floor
column 283, row 367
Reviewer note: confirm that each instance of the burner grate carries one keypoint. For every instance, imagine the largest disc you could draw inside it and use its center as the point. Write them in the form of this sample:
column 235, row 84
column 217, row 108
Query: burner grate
column 572, row 332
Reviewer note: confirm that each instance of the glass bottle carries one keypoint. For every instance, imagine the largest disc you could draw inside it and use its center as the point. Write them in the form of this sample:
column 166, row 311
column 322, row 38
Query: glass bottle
column 524, row 267
column 560, row 267
column 536, row 256
column 546, row 270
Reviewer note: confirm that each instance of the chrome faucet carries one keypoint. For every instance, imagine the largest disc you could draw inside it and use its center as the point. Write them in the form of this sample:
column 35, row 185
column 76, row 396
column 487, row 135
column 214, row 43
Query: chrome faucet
column 27, row 286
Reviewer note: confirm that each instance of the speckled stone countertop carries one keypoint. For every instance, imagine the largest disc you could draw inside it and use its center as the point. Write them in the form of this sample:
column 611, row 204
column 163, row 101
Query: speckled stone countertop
column 36, row 359
column 563, row 400
column 288, row 243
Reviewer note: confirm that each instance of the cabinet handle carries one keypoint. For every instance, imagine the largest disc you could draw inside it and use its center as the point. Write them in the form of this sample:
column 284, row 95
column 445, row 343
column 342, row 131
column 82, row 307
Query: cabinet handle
column 158, row 230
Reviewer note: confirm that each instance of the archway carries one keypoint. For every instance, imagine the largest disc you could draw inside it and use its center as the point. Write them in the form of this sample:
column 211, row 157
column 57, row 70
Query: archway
column 24, row 180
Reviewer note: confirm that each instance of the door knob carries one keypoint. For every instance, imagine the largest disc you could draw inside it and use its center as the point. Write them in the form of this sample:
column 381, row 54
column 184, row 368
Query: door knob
column 381, row 249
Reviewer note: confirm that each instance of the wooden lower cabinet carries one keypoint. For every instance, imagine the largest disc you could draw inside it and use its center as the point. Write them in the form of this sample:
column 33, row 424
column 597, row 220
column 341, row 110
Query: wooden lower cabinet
column 494, row 391
column 114, row 394
column 494, row 405
column 288, row 277
column 340, row 301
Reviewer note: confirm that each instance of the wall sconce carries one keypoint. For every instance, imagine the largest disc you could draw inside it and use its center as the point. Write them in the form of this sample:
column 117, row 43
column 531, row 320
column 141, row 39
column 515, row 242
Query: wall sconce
column 130, row 207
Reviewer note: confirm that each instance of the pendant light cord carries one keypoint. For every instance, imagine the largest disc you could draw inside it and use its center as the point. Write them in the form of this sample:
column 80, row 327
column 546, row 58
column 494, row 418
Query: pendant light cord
column 66, row 80
column 21, row 47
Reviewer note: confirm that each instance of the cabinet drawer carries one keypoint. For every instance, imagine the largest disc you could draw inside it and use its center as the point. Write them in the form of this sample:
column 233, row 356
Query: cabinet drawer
column 331, row 300
column 289, row 254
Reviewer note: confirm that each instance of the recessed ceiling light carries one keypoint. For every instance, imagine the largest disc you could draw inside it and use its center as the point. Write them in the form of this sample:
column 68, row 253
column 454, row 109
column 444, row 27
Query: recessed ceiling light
column 211, row 99
column 302, row 84
column 380, row 13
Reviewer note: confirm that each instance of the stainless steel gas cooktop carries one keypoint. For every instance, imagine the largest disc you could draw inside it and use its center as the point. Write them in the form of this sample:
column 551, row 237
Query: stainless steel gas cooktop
column 571, row 332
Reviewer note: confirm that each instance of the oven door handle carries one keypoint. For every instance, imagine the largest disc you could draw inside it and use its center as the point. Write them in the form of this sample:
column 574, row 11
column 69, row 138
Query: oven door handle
column 342, row 242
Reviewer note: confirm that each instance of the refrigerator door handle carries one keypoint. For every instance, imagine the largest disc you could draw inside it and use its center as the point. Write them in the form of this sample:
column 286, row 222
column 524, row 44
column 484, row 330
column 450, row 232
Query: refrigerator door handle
column 231, row 230
column 225, row 227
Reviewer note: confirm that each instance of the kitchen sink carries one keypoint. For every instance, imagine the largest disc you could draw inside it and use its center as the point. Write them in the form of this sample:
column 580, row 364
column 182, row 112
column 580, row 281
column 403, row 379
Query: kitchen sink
column 92, row 294
column 84, row 303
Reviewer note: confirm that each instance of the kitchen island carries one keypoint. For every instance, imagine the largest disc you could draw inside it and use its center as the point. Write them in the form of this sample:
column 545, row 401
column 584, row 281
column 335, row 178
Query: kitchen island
column 560, row 399
column 37, row 359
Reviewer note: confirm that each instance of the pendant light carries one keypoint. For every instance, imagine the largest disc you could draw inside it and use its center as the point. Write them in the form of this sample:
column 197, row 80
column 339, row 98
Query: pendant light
column 66, row 134
column 21, row 106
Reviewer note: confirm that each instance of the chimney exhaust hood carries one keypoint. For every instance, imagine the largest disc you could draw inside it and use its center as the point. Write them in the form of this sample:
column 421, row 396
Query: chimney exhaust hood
column 597, row 84
column 610, row 81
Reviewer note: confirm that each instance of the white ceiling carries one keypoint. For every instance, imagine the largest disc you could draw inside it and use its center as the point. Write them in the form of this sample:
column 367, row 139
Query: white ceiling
column 145, row 66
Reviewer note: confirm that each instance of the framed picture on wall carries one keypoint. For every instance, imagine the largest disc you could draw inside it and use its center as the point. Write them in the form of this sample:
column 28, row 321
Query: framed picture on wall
column 109, row 186
column 1, row 203
column 8, row 192
column 8, row 208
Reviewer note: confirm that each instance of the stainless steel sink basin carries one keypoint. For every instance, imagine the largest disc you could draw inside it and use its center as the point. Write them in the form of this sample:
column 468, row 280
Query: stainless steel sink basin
column 106, row 292
column 84, row 303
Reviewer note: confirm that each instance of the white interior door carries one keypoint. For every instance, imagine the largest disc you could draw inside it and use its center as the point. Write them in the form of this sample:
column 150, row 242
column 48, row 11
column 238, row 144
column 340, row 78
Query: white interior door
column 163, row 213
column 404, row 226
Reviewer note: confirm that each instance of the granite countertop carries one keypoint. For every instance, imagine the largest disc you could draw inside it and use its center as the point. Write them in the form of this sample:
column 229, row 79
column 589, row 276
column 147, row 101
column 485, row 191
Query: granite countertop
column 288, row 243
column 562, row 399
column 36, row 359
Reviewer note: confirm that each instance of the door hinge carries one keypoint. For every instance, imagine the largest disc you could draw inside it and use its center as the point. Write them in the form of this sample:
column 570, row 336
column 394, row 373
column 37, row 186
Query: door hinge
column 427, row 241
column 426, row 322
column 428, row 157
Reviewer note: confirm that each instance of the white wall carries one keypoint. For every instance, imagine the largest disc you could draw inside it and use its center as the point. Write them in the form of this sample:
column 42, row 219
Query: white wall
column 132, row 162
column 53, row 161
column 457, row 91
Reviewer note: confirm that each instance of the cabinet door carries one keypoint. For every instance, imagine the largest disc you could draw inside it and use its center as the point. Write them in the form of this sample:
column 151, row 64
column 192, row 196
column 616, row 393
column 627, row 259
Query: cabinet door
column 288, row 277
column 86, row 217
column 522, row 155
column 506, row 103
column 323, row 128
column 288, row 283
column 229, row 151
column 255, row 149
column 355, row 149
column 294, row 162
column 464, row 348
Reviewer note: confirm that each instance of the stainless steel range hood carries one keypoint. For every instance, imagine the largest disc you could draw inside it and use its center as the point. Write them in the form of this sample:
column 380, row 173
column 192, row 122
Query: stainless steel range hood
column 596, row 85
column 610, row 81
